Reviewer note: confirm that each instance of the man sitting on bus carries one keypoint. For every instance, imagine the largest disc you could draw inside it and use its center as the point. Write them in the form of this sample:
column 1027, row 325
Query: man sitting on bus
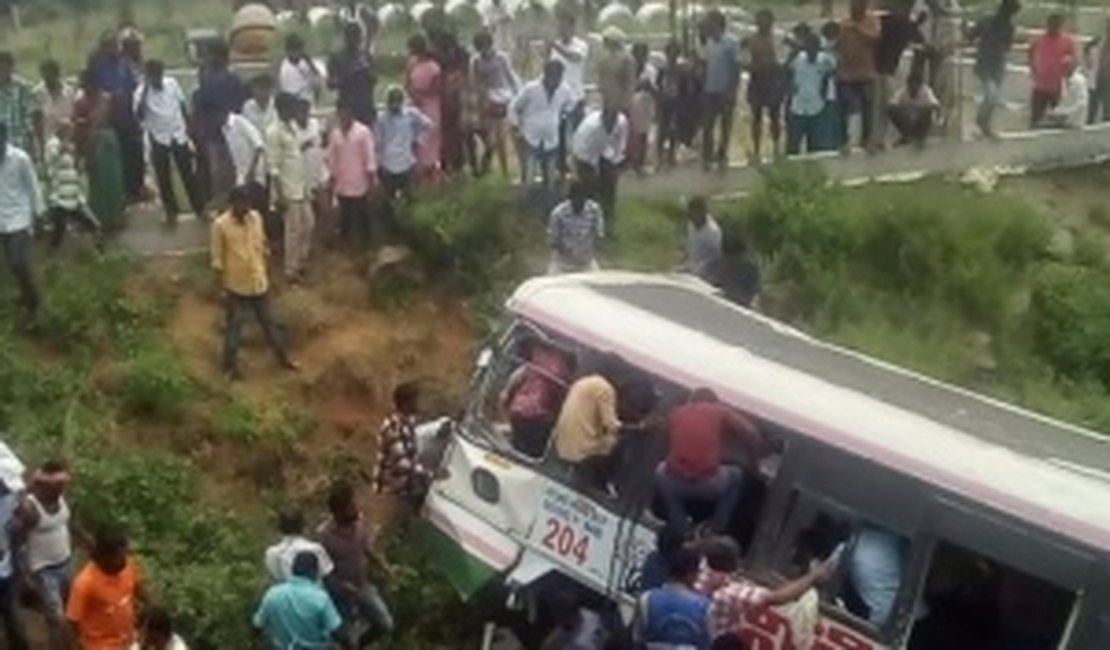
column 534, row 393
column 675, row 616
column 693, row 468
column 586, row 430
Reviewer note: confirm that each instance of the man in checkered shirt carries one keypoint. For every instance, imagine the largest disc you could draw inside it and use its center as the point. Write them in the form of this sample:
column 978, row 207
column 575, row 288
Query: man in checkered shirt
column 732, row 596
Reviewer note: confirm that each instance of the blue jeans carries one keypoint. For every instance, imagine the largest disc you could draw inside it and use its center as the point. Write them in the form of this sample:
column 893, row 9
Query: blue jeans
column 992, row 99
column 367, row 606
column 724, row 487
column 55, row 581
column 9, row 616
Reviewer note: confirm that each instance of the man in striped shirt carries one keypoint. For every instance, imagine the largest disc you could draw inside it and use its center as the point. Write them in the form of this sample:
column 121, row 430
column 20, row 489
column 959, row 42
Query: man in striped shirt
column 732, row 597
column 67, row 198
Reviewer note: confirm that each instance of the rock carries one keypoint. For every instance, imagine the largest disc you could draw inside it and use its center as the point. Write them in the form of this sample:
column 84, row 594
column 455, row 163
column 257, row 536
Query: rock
column 654, row 14
column 982, row 356
column 616, row 15
column 302, row 313
column 253, row 33
column 1062, row 244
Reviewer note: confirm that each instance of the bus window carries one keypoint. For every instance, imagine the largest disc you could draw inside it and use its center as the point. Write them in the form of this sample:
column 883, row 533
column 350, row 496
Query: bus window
column 523, row 392
column 872, row 560
column 973, row 602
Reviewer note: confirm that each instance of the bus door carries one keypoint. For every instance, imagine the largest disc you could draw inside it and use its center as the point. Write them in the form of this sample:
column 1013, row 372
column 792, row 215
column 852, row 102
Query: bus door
column 997, row 582
column 1092, row 630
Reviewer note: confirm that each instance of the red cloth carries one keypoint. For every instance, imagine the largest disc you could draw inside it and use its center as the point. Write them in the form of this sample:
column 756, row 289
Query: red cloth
column 1049, row 55
column 696, row 433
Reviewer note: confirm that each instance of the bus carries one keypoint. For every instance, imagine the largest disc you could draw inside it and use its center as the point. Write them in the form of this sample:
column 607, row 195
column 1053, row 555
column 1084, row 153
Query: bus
column 988, row 525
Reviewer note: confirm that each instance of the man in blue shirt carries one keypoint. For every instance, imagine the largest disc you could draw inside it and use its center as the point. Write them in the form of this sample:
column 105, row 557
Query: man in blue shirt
column 675, row 616
column 298, row 613
column 722, row 80
column 20, row 202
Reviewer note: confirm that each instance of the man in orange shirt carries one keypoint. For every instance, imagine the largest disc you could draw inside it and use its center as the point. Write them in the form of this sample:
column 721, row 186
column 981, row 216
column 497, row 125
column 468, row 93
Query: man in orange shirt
column 106, row 596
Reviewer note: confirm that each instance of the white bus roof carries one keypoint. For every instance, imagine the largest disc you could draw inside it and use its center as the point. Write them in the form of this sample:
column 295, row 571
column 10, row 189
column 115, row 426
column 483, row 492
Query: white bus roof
column 1046, row 472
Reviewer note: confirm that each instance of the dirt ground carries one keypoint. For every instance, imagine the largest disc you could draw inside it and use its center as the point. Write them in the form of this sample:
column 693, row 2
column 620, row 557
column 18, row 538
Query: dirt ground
column 351, row 356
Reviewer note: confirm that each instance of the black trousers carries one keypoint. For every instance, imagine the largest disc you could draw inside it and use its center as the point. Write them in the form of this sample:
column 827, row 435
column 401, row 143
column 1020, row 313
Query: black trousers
column 130, row 136
column 9, row 615
column 61, row 217
column 912, row 123
column 1039, row 104
column 235, row 307
column 719, row 110
column 180, row 155
column 601, row 180
column 17, row 253
column 355, row 228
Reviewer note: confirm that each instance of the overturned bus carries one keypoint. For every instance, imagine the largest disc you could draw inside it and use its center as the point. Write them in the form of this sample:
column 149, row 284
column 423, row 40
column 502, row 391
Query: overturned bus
column 998, row 518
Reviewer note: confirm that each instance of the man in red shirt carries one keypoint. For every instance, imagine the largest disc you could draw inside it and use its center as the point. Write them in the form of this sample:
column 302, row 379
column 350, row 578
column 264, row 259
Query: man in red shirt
column 693, row 468
column 1050, row 56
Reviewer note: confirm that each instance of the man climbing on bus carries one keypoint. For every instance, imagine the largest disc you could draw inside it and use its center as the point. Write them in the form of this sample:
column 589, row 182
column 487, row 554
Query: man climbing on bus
column 693, row 469
column 732, row 597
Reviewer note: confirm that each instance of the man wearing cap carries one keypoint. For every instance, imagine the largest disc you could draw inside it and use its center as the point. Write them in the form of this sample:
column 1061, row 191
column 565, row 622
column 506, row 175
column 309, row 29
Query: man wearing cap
column 11, row 486
column 616, row 71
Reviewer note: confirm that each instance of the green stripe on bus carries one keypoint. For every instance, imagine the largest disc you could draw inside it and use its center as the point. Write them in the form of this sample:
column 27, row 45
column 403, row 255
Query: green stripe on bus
column 464, row 570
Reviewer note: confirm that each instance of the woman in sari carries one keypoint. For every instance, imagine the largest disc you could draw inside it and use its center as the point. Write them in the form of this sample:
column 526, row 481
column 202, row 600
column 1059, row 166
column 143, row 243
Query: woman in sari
column 424, row 84
column 98, row 149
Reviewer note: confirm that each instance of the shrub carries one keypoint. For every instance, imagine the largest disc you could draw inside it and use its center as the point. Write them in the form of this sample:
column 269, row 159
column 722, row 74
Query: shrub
column 154, row 383
column 462, row 233
column 1070, row 312
column 238, row 421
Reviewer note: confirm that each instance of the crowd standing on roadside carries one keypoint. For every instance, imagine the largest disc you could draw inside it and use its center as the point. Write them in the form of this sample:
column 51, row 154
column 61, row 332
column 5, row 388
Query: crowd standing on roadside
column 254, row 158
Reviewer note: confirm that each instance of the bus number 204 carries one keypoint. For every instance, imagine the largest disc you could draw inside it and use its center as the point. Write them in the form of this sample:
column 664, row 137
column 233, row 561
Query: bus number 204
column 565, row 541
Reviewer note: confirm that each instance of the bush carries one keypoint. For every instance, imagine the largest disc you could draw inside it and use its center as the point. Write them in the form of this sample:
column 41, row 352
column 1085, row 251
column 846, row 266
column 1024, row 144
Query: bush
column 201, row 563
column 462, row 233
column 154, row 383
column 1070, row 311
column 831, row 252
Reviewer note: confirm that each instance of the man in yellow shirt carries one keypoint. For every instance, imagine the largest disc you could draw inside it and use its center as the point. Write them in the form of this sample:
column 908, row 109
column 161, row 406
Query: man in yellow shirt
column 238, row 249
column 587, row 428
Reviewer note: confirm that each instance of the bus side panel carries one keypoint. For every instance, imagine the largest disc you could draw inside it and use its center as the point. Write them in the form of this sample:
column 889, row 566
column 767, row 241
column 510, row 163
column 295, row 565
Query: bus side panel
column 769, row 629
column 495, row 490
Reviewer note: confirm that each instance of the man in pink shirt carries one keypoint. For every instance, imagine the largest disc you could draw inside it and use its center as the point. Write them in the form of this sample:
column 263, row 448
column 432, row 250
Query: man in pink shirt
column 353, row 165
column 1050, row 56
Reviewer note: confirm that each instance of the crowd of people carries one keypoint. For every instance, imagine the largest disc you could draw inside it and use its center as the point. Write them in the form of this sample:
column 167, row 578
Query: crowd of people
column 314, row 174
column 320, row 591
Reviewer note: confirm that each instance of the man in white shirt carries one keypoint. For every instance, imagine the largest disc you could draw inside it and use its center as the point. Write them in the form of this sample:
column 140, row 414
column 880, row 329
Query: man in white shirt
column 298, row 75
column 573, row 52
column 913, row 110
column 259, row 109
column 291, row 185
column 1071, row 111
column 395, row 135
column 537, row 113
column 279, row 557
column 20, row 202
column 54, row 99
column 704, row 243
column 160, row 107
column 247, row 148
column 598, row 148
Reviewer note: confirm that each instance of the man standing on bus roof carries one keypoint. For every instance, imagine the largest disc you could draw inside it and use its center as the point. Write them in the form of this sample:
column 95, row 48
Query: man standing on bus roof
column 693, row 468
